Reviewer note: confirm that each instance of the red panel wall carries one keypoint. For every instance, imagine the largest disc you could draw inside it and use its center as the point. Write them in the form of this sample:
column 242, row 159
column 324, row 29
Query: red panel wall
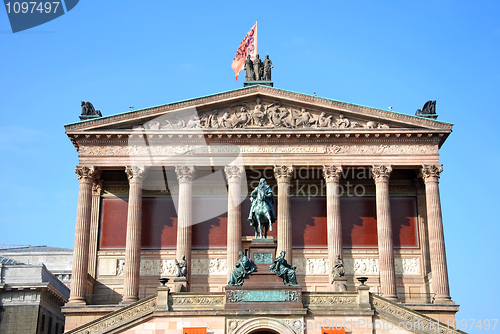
column 359, row 225
column 308, row 221
column 211, row 232
column 113, row 223
column 159, row 223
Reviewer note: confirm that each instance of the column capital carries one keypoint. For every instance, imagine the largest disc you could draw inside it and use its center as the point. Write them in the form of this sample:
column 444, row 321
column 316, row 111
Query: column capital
column 185, row 173
column 233, row 173
column 97, row 187
column 332, row 173
column 431, row 172
column 381, row 173
column 136, row 173
column 283, row 174
column 86, row 174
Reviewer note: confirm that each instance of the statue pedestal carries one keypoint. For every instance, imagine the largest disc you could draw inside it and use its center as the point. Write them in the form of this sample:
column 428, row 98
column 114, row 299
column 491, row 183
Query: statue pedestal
column 262, row 253
column 340, row 284
column 180, row 284
column 262, row 289
column 260, row 82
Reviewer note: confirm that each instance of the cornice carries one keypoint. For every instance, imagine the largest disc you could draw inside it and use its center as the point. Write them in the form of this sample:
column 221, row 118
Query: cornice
column 301, row 99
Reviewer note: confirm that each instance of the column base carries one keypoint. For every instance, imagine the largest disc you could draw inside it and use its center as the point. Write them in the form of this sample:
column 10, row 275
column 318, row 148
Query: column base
column 129, row 300
column 76, row 302
column 392, row 298
column 442, row 300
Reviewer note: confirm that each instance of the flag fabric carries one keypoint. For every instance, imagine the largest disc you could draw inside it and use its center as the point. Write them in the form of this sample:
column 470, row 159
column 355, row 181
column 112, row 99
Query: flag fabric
column 247, row 47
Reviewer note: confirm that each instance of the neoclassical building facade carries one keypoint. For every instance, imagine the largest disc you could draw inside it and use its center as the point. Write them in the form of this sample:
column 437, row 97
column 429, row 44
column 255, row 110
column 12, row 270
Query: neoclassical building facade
column 170, row 181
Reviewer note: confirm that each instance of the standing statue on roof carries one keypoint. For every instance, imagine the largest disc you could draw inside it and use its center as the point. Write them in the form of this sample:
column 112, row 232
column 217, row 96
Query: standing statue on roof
column 268, row 65
column 257, row 68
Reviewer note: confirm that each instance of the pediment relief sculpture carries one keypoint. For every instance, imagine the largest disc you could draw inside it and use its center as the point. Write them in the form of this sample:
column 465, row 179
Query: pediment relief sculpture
column 271, row 115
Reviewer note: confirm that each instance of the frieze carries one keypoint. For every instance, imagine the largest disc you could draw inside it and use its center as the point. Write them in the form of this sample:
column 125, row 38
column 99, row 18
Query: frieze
column 119, row 318
column 380, row 149
column 321, row 300
column 397, row 314
column 213, row 266
column 156, row 111
column 181, row 301
column 189, row 150
column 312, row 266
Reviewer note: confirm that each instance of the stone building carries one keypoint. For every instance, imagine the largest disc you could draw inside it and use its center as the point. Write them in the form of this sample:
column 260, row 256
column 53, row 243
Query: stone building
column 170, row 181
column 57, row 260
column 30, row 299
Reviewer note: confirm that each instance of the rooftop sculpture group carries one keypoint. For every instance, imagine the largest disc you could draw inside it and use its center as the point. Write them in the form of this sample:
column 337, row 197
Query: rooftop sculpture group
column 258, row 70
column 259, row 115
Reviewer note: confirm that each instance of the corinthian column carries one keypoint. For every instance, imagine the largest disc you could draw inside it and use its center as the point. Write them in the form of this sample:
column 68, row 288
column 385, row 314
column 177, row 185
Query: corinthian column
column 283, row 175
column 334, row 226
column 233, row 175
column 381, row 175
column 185, row 176
column 430, row 174
column 82, row 235
column 94, row 226
column 136, row 176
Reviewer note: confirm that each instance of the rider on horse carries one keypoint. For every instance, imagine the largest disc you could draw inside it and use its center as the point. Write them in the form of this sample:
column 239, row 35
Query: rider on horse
column 262, row 193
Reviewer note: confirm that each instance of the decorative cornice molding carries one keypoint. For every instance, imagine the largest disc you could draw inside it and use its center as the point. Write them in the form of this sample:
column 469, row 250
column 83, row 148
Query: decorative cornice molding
column 185, row 173
column 332, row 173
column 283, row 174
column 381, row 173
column 302, row 99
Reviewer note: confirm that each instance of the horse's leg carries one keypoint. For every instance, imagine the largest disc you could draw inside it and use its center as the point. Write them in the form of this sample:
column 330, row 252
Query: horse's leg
column 259, row 226
column 268, row 216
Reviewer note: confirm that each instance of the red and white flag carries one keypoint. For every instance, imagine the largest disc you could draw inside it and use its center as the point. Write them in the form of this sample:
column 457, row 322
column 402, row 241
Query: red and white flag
column 247, row 47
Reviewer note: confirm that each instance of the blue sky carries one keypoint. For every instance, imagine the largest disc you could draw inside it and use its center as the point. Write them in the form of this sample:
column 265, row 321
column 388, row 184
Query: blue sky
column 118, row 54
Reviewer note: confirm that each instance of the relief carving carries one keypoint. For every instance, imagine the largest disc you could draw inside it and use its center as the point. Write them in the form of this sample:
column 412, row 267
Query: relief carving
column 270, row 115
column 377, row 149
column 407, row 266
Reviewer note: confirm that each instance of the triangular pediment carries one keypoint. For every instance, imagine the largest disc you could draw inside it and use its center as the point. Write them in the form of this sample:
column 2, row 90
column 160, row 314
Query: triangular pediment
column 258, row 108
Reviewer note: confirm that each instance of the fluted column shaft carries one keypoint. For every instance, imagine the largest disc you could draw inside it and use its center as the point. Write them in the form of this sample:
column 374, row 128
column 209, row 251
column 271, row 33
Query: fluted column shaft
column 233, row 175
column 82, row 235
column 430, row 174
column 387, row 270
column 136, row 176
column 333, row 223
column 283, row 175
column 422, row 225
column 94, row 226
column 185, row 176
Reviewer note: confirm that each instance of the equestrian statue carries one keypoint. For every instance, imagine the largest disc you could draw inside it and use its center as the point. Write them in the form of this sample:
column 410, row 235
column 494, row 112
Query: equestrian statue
column 262, row 214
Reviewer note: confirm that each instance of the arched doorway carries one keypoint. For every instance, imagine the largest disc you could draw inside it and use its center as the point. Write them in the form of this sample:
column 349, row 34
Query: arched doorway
column 267, row 325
